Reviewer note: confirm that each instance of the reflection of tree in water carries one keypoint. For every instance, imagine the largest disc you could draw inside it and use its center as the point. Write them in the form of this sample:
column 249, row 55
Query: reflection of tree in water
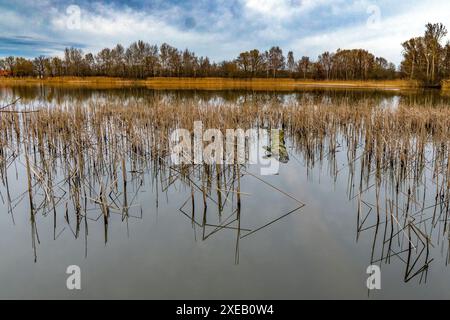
column 58, row 95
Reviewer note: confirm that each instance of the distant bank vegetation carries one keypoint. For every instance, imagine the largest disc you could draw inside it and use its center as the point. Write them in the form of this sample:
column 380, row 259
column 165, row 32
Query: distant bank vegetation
column 426, row 60
column 213, row 83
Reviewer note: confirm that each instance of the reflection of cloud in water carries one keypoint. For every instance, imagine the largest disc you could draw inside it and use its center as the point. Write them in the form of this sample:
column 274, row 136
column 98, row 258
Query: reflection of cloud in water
column 159, row 251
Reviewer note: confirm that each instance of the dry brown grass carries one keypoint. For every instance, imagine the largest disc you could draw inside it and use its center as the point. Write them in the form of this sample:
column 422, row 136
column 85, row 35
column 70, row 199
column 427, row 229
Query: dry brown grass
column 392, row 140
column 446, row 85
column 213, row 83
column 97, row 150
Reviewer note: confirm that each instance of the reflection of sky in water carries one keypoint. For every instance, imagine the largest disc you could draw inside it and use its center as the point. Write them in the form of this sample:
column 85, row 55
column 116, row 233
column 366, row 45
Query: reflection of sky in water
column 38, row 96
column 390, row 104
column 312, row 253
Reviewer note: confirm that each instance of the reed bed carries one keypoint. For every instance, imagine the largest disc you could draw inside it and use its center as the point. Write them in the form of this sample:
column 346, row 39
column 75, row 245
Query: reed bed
column 211, row 83
column 94, row 157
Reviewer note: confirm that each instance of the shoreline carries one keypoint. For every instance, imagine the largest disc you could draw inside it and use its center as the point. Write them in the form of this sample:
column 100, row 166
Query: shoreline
column 256, row 84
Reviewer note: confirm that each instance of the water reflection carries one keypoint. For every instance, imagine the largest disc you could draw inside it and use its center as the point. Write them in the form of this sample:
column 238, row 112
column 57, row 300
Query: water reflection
column 58, row 95
column 95, row 161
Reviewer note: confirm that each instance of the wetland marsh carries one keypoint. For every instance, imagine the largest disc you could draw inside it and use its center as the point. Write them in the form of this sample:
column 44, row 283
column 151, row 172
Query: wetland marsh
column 86, row 179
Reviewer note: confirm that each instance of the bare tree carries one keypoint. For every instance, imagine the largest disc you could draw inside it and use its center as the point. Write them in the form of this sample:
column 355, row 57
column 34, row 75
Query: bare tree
column 326, row 62
column 39, row 66
column 304, row 65
column 291, row 62
column 276, row 60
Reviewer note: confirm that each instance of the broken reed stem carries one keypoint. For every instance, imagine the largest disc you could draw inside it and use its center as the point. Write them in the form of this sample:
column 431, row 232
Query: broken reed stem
column 84, row 146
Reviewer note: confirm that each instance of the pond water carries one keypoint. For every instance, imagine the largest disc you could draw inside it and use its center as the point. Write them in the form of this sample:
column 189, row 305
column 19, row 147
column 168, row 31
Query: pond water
column 306, row 232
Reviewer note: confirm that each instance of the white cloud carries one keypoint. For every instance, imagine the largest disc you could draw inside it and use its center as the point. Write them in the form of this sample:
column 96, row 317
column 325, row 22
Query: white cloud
column 223, row 30
column 280, row 9
column 107, row 26
column 272, row 8
column 383, row 41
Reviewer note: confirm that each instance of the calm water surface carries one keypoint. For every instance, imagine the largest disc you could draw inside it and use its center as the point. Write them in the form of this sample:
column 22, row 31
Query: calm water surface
column 166, row 249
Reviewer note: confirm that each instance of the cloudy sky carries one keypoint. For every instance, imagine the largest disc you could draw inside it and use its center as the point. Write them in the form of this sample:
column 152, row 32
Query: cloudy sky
column 217, row 28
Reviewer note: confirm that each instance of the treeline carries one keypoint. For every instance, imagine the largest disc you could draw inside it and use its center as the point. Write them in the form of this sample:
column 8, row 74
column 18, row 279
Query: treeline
column 142, row 60
column 425, row 59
